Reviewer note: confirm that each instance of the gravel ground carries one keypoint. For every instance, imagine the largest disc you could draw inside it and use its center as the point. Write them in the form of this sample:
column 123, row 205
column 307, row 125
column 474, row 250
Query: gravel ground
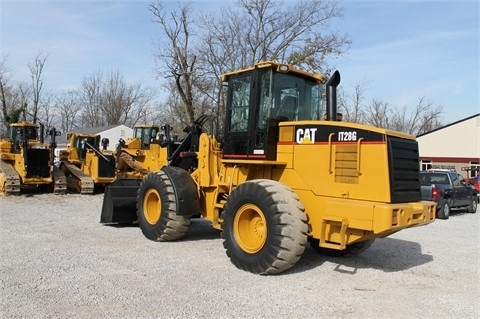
column 58, row 261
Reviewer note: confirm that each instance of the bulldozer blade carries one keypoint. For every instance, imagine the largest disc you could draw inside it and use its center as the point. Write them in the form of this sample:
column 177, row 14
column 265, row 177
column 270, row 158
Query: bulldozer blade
column 119, row 202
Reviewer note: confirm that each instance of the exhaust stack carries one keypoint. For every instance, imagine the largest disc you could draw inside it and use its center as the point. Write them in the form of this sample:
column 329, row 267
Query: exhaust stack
column 331, row 97
column 42, row 133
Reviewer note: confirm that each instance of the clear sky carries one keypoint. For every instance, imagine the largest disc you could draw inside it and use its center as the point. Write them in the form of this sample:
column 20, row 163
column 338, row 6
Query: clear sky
column 403, row 49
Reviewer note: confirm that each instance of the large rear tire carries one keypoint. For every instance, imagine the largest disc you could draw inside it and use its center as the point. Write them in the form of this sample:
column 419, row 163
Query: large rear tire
column 157, row 209
column 264, row 227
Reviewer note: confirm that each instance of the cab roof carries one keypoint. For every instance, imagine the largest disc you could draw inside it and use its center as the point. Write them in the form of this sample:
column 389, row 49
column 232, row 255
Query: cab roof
column 280, row 67
column 23, row 124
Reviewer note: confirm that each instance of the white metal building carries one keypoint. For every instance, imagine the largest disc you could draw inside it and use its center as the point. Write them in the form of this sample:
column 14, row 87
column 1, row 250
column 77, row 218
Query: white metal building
column 454, row 146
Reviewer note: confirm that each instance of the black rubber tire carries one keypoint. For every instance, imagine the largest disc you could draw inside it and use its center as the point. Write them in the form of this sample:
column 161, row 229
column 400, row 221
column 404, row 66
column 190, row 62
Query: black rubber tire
column 157, row 209
column 264, row 227
column 473, row 205
column 444, row 211
column 351, row 249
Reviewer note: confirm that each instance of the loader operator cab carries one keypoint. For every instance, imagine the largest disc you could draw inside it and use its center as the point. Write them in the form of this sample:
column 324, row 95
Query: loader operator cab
column 146, row 134
column 258, row 99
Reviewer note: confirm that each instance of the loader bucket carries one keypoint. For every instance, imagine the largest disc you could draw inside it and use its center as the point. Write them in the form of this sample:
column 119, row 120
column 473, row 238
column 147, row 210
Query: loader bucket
column 119, row 202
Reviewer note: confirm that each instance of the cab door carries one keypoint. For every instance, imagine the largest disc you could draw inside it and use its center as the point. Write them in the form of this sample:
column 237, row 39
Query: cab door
column 263, row 126
column 239, row 102
column 251, row 132
column 461, row 190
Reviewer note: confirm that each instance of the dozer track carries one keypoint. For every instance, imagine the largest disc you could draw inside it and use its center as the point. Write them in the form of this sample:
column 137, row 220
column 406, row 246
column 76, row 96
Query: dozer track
column 10, row 179
column 77, row 180
column 60, row 181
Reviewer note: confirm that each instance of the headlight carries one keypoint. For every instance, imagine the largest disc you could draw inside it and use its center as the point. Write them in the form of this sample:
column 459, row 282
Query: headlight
column 283, row 68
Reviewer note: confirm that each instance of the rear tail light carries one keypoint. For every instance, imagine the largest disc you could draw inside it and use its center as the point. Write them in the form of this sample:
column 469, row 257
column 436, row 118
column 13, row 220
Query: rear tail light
column 435, row 192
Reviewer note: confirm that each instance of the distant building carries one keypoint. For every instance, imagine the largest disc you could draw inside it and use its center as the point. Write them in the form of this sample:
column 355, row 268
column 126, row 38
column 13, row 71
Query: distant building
column 112, row 132
column 453, row 146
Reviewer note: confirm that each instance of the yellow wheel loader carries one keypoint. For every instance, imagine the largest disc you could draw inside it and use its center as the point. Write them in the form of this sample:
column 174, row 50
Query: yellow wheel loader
column 26, row 161
column 85, row 166
column 140, row 154
column 282, row 177
column 148, row 150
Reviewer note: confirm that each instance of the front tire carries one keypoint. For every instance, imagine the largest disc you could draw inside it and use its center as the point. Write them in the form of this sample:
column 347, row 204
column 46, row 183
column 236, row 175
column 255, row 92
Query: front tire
column 264, row 227
column 157, row 209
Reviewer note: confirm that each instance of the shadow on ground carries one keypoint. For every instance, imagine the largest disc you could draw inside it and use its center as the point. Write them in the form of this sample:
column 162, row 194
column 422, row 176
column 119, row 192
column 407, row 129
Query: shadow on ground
column 386, row 254
column 199, row 229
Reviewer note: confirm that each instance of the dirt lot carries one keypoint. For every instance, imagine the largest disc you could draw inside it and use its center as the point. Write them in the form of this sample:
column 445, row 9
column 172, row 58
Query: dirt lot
column 57, row 261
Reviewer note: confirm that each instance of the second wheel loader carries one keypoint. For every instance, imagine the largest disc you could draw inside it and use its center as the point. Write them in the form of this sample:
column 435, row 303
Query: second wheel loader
column 140, row 154
column 282, row 177
column 148, row 150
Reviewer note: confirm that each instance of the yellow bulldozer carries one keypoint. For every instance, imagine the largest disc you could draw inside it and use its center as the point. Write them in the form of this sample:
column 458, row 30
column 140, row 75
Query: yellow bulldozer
column 282, row 177
column 27, row 161
column 85, row 166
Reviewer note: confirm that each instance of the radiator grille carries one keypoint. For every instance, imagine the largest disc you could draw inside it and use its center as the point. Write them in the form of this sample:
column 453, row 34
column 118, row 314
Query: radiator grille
column 38, row 163
column 106, row 169
column 404, row 170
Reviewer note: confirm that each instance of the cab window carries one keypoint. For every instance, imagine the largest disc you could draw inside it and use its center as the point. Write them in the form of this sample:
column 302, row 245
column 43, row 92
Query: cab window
column 455, row 179
column 240, row 103
column 137, row 132
column 295, row 98
column 266, row 101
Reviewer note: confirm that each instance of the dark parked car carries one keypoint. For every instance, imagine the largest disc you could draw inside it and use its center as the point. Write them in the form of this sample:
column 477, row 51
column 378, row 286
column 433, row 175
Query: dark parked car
column 449, row 190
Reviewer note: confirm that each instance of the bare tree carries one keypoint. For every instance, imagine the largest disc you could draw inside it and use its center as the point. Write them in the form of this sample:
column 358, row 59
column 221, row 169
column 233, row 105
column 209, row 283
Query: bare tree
column 14, row 97
column 24, row 93
column 377, row 113
column 89, row 99
column 10, row 107
column 352, row 105
column 415, row 120
column 197, row 49
column 421, row 118
column 111, row 100
column 46, row 114
column 36, row 73
column 177, row 57
column 68, row 109
column 124, row 103
column 297, row 34
column 259, row 30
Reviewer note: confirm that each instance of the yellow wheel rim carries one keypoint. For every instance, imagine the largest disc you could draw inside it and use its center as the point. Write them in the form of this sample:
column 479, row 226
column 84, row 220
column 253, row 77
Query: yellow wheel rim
column 250, row 228
column 152, row 206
